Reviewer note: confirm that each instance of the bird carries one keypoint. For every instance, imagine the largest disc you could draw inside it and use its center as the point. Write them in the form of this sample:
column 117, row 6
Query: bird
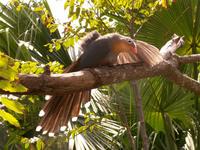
column 97, row 50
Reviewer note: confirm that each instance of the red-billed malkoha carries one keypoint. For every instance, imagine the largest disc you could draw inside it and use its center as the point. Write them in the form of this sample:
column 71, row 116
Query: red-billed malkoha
column 97, row 50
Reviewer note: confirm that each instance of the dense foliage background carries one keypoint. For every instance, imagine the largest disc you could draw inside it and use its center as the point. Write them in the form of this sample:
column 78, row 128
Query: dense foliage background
column 29, row 38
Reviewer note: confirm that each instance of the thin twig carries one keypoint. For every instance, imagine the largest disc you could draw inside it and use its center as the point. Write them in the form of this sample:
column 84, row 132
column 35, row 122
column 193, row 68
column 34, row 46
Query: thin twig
column 138, row 97
column 140, row 114
column 124, row 119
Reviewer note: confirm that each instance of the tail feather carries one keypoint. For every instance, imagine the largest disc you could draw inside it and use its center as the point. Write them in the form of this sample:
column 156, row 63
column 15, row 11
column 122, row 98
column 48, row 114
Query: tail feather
column 52, row 121
column 148, row 53
column 83, row 98
column 56, row 119
column 86, row 96
column 63, row 113
column 48, row 104
column 67, row 109
column 51, row 109
column 59, row 109
column 77, row 105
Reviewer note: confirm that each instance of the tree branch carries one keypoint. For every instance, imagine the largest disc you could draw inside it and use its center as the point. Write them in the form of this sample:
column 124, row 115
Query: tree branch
column 174, row 75
column 140, row 115
column 92, row 78
column 171, row 46
column 95, row 77
column 123, row 119
column 188, row 59
column 85, row 79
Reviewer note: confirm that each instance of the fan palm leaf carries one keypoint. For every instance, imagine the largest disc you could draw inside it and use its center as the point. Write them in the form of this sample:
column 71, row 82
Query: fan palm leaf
column 23, row 36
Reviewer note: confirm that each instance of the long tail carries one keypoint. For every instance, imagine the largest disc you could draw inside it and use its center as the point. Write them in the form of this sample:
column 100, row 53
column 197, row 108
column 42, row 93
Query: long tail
column 59, row 109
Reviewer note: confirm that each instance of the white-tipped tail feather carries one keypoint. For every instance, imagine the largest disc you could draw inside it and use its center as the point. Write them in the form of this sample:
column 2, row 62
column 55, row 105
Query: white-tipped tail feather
column 41, row 113
column 38, row 129
column 45, row 132
column 47, row 97
column 51, row 134
column 58, row 110
column 63, row 128
column 74, row 119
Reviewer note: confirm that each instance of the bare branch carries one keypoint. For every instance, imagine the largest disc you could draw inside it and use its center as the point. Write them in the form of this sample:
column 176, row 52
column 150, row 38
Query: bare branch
column 95, row 77
column 124, row 120
column 85, row 79
column 82, row 80
column 140, row 115
column 182, row 80
column 171, row 46
column 188, row 59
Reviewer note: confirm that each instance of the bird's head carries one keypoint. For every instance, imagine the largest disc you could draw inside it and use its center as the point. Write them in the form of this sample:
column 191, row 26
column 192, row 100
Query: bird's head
column 130, row 44
column 123, row 44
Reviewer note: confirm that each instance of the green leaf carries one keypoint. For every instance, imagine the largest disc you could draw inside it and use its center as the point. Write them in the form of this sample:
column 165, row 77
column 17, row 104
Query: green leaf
column 27, row 145
column 19, row 7
column 68, row 42
column 12, row 105
column 6, row 85
column 57, row 45
column 71, row 8
column 10, row 118
column 66, row 4
column 39, row 8
column 40, row 144
column 19, row 87
column 3, row 61
column 8, row 73
column 155, row 120
column 12, row 86
column 16, row 66
column 26, row 27
column 78, row 11
column 53, row 28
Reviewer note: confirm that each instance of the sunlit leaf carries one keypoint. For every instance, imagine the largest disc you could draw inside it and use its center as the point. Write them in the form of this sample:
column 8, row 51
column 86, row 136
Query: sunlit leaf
column 12, row 86
column 12, row 105
column 164, row 3
column 6, row 85
column 69, row 42
column 40, row 144
column 3, row 61
column 155, row 120
column 53, row 27
column 19, row 7
column 26, row 142
column 39, row 8
column 57, row 45
column 8, row 74
column 10, row 118
column 19, row 87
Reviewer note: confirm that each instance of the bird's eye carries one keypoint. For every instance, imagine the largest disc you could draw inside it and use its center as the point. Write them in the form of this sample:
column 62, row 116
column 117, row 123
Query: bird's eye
column 130, row 41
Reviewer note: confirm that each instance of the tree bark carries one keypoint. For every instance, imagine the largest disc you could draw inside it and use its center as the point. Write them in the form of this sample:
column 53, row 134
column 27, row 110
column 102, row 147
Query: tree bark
column 95, row 77
column 92, row 78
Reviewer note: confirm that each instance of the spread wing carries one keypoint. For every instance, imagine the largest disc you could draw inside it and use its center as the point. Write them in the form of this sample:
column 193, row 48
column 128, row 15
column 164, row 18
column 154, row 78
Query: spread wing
column 148, row 53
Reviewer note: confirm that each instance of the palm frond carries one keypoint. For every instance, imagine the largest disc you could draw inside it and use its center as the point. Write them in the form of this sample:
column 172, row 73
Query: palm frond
column 25, row 26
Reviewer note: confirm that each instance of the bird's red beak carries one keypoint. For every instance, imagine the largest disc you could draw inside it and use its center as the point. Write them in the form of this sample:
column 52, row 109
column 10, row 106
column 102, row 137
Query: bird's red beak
column 134, row 49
